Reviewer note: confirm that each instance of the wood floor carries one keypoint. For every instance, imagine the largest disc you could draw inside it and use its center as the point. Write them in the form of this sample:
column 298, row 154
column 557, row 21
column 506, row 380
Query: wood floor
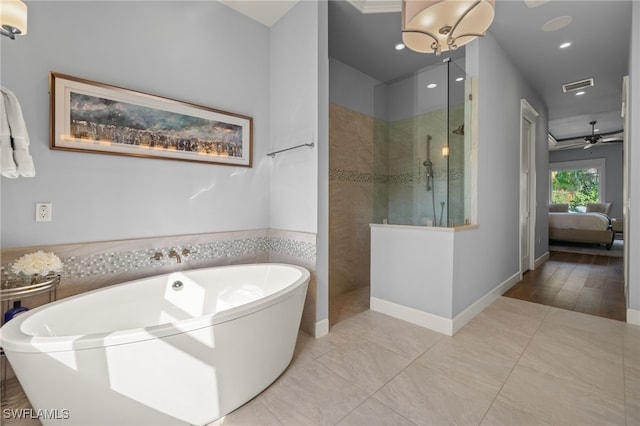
column 579, row 282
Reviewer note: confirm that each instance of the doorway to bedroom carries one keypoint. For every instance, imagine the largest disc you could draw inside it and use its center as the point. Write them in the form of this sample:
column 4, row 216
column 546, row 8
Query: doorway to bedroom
column 580, row 282
column 583, row 277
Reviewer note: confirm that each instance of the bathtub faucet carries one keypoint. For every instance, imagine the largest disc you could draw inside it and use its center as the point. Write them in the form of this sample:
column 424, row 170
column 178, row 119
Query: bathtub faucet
column 175, row 254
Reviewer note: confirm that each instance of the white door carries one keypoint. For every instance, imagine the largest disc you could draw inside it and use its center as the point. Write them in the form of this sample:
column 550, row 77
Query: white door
column 528, row 118
column 525, row 185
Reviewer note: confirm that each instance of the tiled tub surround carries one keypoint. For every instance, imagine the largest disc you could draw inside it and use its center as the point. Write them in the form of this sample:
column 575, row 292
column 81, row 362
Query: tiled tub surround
column 88, row 266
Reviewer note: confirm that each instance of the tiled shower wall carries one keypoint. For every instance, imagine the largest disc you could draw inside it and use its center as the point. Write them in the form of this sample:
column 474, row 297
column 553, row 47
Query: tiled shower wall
column 351, row 178
column 92, row 265
column 409, row 203
column 376, row 173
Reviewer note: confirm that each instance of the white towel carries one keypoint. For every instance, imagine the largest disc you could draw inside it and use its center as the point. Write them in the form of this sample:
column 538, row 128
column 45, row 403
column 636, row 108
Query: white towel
column 15, row 159
column 8, row 167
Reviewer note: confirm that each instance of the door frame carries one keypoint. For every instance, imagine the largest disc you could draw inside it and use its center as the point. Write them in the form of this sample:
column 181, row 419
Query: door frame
column 528, row 113
column 626, row 168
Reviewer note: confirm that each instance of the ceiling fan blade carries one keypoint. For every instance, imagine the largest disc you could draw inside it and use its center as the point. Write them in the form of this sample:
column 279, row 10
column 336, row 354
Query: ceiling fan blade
column 612, row 140
column 588, row 146
column 564, row 146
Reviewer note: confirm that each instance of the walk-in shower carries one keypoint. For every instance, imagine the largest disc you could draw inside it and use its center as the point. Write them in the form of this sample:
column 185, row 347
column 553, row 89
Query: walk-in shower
column 421, row 148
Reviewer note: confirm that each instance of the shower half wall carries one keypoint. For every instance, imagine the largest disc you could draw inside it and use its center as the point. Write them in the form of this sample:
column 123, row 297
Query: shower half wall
column 377, row 149
column 424, row 195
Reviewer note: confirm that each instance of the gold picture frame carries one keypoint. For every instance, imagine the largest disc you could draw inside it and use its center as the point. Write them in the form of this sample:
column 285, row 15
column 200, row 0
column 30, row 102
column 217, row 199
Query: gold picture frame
column 88, row 116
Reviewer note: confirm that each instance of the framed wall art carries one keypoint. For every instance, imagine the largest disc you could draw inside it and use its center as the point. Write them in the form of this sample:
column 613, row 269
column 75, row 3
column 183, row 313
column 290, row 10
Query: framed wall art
column 94, row 117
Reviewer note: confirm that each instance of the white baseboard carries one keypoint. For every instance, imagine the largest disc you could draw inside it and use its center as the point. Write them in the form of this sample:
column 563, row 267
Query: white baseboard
column 539, row 261
column 479, row 305
column 321, row 328
column 437, row 323
column 633, row 316
column 412, row 315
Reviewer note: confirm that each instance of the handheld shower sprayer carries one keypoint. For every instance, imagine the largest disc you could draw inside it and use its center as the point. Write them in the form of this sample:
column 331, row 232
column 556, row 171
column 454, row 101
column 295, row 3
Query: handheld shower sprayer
column 428, row 164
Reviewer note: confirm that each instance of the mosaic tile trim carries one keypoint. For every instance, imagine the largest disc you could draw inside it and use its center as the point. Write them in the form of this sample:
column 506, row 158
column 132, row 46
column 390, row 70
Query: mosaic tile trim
column 421, row 177
column 341, row 175
column 299, row 249
column 111, row 263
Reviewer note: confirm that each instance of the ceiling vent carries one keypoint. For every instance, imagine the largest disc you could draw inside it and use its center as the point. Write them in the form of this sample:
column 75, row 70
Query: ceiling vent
column 577, row 85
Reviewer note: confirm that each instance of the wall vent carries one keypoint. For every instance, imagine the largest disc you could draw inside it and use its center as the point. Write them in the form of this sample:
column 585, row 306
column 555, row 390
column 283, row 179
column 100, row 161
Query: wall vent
column 577, row 85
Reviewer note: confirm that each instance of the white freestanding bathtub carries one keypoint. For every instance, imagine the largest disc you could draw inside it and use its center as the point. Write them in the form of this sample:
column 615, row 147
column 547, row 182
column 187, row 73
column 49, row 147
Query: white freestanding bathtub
column 181, row 348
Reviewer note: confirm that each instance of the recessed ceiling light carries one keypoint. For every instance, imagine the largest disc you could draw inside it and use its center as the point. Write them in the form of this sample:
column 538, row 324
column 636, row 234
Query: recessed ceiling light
column 556, row 24
column 580, row 93
column 399, row 46
column 431, row 85
column 565, row 45
column 459, row 78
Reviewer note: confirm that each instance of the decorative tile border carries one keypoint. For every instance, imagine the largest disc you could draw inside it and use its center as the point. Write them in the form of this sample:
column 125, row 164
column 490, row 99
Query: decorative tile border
column 300, row 249
column 342, row 175
column 82, row 266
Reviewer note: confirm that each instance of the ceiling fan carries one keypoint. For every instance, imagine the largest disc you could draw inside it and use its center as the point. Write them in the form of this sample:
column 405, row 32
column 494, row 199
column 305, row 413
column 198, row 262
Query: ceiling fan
column 593, row 139
column 590, row 140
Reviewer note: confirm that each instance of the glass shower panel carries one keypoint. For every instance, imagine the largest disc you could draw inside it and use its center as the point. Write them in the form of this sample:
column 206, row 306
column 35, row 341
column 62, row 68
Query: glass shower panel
column 419, row 149
column 456, row 137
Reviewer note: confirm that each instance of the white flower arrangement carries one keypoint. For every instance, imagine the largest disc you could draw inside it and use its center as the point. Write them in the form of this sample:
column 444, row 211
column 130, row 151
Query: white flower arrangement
column 37, row 263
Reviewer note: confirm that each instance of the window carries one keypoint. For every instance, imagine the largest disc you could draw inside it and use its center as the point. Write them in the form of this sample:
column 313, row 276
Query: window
column 577, row 183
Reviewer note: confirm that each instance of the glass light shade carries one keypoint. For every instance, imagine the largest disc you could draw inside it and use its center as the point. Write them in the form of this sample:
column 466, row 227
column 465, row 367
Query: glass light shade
column 13, row 16
column 440, row 25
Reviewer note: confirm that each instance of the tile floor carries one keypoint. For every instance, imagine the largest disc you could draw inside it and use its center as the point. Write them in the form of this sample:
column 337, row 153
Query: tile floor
column 348, row 304
column 516, row 363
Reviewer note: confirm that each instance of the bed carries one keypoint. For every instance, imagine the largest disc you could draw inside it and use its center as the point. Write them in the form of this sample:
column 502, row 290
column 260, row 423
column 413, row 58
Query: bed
column 593, row 226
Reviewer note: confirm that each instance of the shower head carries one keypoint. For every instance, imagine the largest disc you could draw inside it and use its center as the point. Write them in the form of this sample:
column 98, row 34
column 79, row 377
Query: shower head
column 459, row 130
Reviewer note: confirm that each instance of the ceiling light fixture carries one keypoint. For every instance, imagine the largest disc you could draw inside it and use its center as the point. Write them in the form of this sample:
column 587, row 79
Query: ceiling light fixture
column 13, row 18
column 435, row 26
column 556, row 24
column 565, row 45
column 432, row 86
column 399, row 46
column 459, row 78
column 580, row 93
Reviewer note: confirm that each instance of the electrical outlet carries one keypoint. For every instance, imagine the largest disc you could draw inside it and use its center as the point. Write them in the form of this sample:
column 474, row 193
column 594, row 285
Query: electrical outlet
column 43, row 212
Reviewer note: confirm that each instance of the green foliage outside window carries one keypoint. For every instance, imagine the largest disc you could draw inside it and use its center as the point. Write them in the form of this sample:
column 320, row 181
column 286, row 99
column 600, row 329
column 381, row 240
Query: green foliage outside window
column 574, row 187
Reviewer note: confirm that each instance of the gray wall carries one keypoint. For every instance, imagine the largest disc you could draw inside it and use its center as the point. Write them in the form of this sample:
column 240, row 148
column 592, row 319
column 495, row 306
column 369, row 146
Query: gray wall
column 633, row 239
column 613, row 178
column 201, row 52
column 299, row 114
column 294, row 119
column 322, row 241
column 351, row 88
column 488, row 256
